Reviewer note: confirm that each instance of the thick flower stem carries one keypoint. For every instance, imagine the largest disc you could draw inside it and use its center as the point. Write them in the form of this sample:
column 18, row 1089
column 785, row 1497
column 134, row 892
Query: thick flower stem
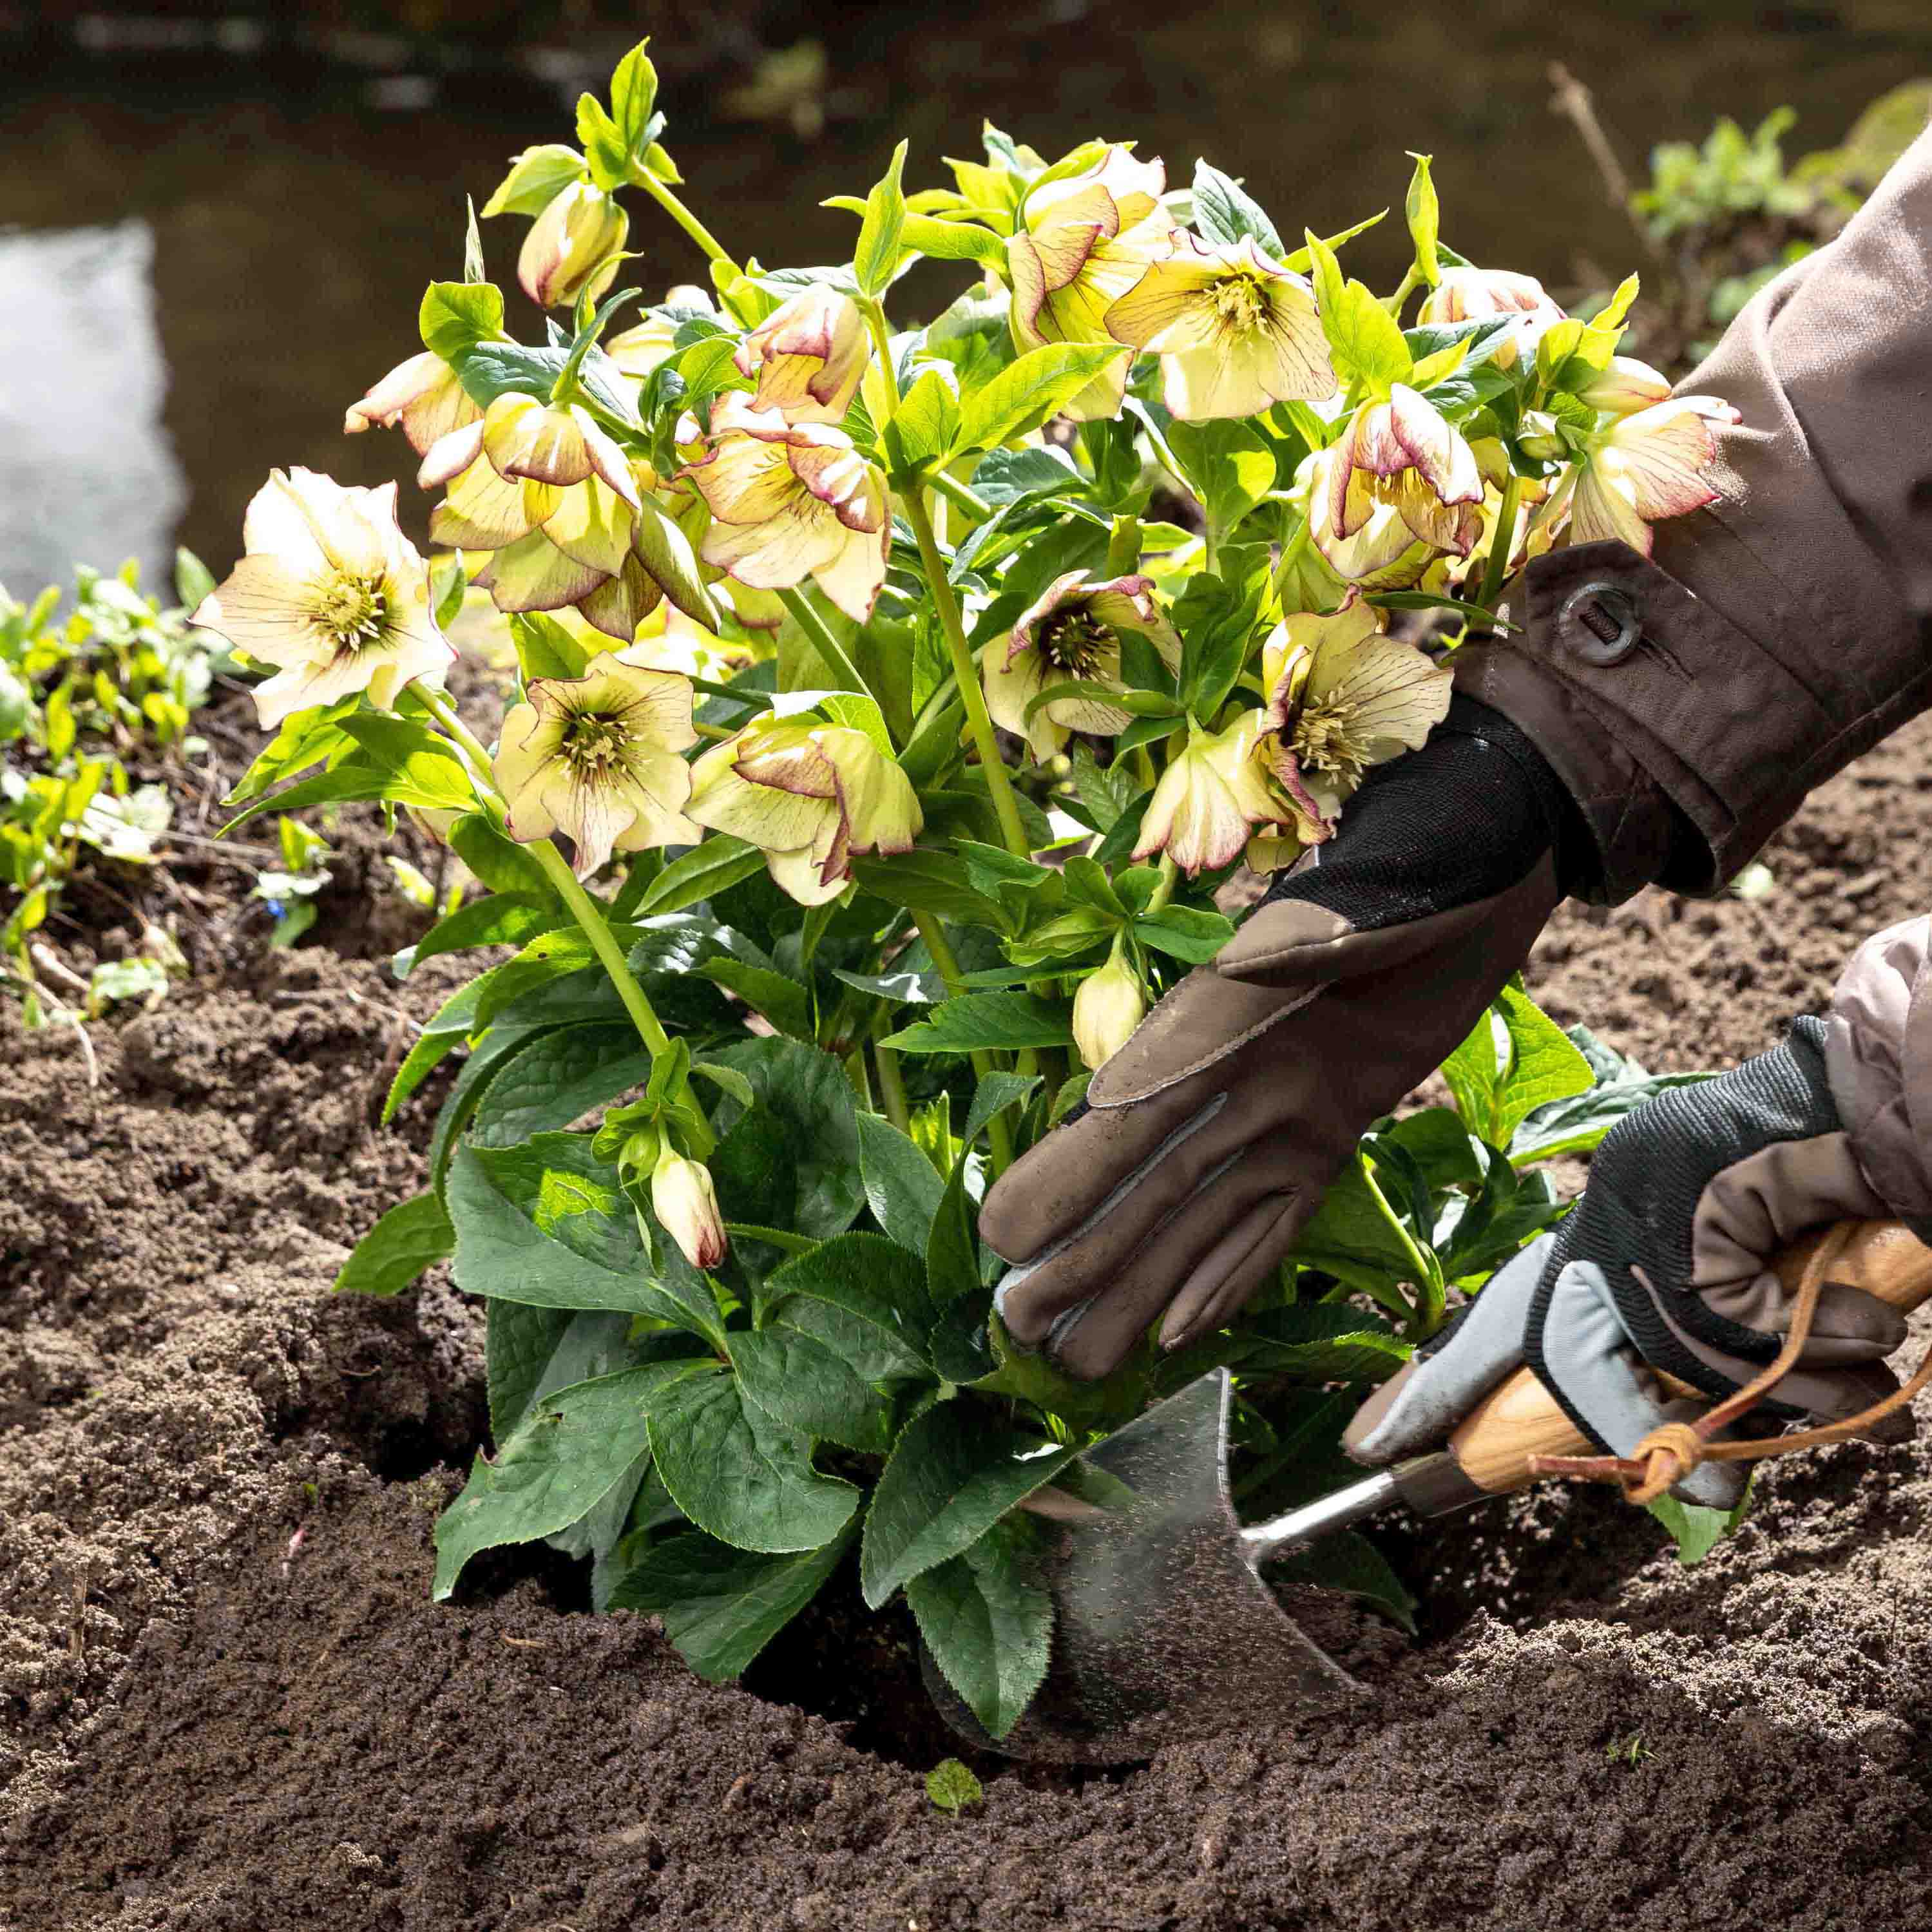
column 958, row 493
column 582, row 907
column 1164, row 886
column 819, row 634
column 642, row 177
column 999, row 1137
column 1502, row 544
column 892, row 1087
column 979, row 720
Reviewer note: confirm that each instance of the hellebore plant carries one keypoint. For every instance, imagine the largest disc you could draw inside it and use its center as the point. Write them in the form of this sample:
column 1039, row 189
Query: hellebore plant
column 906, row 694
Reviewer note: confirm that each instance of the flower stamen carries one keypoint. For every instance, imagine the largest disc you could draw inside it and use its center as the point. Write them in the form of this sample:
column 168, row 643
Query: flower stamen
column 352, row 612
column 1076, row 642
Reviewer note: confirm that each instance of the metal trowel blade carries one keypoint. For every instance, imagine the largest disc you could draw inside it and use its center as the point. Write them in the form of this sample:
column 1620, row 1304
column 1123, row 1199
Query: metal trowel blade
column 1163, row 1629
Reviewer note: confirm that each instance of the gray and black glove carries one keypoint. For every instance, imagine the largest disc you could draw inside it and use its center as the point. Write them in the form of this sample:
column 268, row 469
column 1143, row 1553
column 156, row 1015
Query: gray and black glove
column 1666, row 1265
column 1207, row 1141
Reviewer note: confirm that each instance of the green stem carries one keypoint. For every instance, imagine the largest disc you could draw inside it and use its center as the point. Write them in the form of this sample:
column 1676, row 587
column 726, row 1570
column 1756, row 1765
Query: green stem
column 998, row 1135
column 979, row 720
column 642, row 177
column 1163, row 889
column 582, row 907
column 956, row 492
column 1123, row 546
column 1501, row 545
column 827, row 646
column 882, row 340
column 892, row 1086
column 1393, row 303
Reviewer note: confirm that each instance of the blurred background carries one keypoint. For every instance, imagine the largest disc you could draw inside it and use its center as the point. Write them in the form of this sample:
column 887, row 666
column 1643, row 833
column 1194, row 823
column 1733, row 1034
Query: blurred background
column 215, row 223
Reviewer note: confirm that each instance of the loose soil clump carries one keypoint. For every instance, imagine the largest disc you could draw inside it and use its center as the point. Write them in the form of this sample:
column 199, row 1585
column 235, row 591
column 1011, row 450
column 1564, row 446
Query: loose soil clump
column 226, row 1705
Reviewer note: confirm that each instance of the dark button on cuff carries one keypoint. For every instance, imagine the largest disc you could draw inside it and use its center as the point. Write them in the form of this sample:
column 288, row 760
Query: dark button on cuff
column 1600, row 623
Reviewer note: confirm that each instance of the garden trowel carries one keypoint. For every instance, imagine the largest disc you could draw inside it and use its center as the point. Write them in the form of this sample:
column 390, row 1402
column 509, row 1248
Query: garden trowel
column 1164, row 1629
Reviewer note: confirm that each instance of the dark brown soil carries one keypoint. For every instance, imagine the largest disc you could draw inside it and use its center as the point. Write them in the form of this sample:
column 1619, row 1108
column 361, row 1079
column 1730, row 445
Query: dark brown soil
column 226, row 1704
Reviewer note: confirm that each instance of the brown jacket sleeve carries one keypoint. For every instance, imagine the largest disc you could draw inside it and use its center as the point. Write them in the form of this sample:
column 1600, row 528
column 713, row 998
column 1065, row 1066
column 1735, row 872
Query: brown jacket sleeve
column 1787, row 629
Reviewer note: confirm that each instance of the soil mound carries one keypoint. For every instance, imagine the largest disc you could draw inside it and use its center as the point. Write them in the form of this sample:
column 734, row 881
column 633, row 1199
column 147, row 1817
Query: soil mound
column 226, row 1704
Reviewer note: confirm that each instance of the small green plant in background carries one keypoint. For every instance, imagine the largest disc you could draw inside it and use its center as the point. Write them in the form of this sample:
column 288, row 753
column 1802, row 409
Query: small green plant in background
column 115, row 681
column 951, row 1787
column 289, row 893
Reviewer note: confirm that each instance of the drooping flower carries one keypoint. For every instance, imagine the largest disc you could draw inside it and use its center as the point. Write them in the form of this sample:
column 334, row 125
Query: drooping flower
column 1107, row 1007
column 1477, row 294
column 1235, row 331
column 1343, row 696
column 790, row 501
column 331, row 593
column 573, row 247
column 1211, row 796
column 1404, row 453
column 1071, row 634
column 808, row 357
column 810, row 795
column 685, row 1202
column 596, row 757
column 423, row 396
column 1644, row 467
column 1081, row 243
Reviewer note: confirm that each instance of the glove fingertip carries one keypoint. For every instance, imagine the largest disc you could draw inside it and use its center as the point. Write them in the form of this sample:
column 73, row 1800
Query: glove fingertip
column 1269, row 946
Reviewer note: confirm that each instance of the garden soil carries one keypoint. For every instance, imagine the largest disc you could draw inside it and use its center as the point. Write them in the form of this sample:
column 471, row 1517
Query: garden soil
column 227, row 1705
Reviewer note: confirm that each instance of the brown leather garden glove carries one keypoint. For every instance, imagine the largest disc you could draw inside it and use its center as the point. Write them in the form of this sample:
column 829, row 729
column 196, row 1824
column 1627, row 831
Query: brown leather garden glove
column 1207, row 1142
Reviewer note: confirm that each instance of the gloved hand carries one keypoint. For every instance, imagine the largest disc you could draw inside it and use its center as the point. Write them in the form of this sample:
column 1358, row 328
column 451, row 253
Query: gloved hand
column 1667, row 1264
column 1207, row 1142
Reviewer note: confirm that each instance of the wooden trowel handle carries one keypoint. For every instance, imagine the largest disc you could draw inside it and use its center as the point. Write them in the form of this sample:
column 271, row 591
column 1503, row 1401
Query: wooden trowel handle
column 1521, row 1419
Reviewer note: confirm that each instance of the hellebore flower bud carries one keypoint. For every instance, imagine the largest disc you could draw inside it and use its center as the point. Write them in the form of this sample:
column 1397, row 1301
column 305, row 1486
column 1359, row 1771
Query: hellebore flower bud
column 684, row 1200
column 1106, row 1009
column 573, row 245
column 808, row 358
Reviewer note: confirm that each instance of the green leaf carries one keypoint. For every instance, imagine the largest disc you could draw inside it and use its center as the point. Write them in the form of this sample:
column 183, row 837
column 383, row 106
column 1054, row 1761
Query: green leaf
column 954, row 1472
column 1228, row 465
column 537, row 177
column 720, row 1606
column 603, row 147
column 953, row 1787
column 1030, row 388
column 801, row 1381
column 782, row 1000
column 1354, row 1237
column 736, row 1473
column 1424, row 213
column 568, row 1071
column 876, row 258
column 975, row 1021
column 667, row 554
column 502, row 918
column 1543, row 1065
column 558, row 1464
column 1346, row 1560
column 809, row 1091
column 497, row 860
column 410, row 1240
column 870, row 1279
column 924, row 880
column 1216, row 619
column 455, row 316
column 1577, row 1124
column 1185, row 932
column 995, row 1092
column 902, row 1187
column 924, row 425
column 634, row 99
column 721, row 863
column 1303, row 260
column 530, row 1353
column 988, row 1627
column 1366, row 340
column 1224, row 213
column 1697, row 1530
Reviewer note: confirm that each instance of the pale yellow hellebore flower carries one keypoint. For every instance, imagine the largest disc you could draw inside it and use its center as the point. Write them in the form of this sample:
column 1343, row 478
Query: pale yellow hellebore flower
column 1213, row 793
column 331, row 593
column 808, row 358
column 1071, row 633
column 790, row 501
column 1108, row 1005
column 573, row 247
column 1343, row 696
column 809, row 796
column 596, row 758
column 1235, row 331
column 1478, row 294
column 685, row 1203
column 422, row 396
column 1401, row 453
column 1081, row 243
column 1627, row 385
column 1644, row 467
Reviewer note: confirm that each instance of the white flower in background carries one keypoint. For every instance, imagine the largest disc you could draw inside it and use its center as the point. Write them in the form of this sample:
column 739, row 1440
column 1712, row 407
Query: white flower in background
column 1343, row 696
column 810, row 795
column 330, row 591
column 790, row 501
column 808, row 357
column 1236, row 331
column 1072, row 634
column 685, row 1202
column 597, row 758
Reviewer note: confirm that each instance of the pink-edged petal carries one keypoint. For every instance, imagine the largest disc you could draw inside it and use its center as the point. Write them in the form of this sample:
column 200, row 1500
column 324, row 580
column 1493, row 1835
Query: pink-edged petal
column 853, row 577
column 449, row 456
column 1601, row 510
column 593, row 525
column 781, row 551
column 482, row 512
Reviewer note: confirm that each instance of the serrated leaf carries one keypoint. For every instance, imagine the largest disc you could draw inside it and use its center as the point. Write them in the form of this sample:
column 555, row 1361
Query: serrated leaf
column 872, row 1279
column 974, row 1022
column 455, row 316
column 902, row 1187
column 875, row 258
column 1030, row 389
column 746, row 1479
column 994, row 1094
column 809, row 1091
column 988, row 1625
column 720, row 1606
column 924, row 425
column 800, row 1380
column 721, row 863
column 570, row 1069
column 408, row 1240
column 1224, row 212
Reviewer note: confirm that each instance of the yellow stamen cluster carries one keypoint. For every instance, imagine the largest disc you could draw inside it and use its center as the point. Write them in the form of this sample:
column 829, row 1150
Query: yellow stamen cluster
column 352, row 611
column 593, row 742
column 1324, row 739
column 1076, row 641
column 1241, row 300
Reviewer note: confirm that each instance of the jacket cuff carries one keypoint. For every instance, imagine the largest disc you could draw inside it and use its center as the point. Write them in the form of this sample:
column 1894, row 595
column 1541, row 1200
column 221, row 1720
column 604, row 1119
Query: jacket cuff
column 1878, row 1057
column 1630, row 826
